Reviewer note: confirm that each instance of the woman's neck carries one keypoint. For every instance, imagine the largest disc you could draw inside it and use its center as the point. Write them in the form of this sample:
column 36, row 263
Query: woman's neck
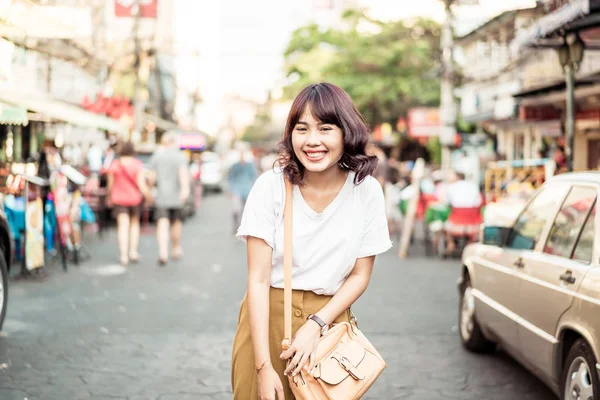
column 325, row 179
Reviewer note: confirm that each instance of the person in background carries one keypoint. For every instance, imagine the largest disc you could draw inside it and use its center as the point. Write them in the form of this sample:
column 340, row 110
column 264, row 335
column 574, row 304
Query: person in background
column 170, row 173
column 240, row 179
column 392, row 191
column 196, row 175
column 94, row 159
column 380, row 172
column 465, row 201
column 126, row 190
column 560, row 159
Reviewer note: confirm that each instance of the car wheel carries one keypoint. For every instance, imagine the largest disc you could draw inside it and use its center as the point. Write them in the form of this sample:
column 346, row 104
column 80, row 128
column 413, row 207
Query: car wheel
column 580, row 380
column 470, row 332
column 3, row 289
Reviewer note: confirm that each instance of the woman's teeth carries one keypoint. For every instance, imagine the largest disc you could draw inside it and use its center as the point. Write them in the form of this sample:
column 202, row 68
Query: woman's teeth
column 315, row 155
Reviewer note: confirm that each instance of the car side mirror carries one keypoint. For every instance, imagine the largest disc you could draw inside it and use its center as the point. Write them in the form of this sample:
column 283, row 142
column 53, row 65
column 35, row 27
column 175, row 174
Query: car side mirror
column 494, row 235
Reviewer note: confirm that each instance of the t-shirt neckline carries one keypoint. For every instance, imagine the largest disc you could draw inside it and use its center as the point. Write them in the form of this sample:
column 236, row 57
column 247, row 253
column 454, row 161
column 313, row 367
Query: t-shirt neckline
column 331, row 206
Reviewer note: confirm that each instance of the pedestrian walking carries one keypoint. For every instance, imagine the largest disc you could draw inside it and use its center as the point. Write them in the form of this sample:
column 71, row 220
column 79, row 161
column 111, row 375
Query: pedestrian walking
column 171, row 177
column 240, row 179
column 126, row 190
column 339, row 226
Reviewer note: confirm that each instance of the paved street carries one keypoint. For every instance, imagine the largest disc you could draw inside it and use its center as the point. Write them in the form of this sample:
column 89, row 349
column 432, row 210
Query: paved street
column 154, row 333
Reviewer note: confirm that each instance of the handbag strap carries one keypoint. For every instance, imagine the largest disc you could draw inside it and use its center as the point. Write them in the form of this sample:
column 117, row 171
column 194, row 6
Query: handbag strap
column 287, row 266
column 127, row 176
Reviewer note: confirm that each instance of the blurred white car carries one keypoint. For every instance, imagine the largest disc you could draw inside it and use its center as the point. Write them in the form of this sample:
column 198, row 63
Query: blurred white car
column 212, row 172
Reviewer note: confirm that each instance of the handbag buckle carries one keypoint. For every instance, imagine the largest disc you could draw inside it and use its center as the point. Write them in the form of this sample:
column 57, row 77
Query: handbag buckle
column 350, row 368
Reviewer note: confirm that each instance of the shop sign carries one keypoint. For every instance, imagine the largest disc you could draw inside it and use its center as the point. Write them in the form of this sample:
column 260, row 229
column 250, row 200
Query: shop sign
column 125, row 8
column 539, row 113
column 34, row 228
column 192, row 141
column 588, row 114
column 424, row 122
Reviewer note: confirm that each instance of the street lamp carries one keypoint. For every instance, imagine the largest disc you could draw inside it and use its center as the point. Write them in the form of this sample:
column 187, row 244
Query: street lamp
column 570, row 55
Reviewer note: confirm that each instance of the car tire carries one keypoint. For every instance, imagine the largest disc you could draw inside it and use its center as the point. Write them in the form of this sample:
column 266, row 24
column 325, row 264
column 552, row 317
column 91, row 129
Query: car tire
column 470, row 332
column 579, row 379
column 3, row 288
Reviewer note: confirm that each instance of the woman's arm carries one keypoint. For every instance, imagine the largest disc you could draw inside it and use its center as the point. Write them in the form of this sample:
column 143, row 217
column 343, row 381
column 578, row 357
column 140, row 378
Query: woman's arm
column 110, row 180
column 142, row 184
column 351, row 290
column 259, row 282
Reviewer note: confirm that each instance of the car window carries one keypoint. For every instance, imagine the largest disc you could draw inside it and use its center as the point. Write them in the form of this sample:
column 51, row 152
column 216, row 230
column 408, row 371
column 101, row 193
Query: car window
column 569, row 221
column 585, row 244
column 529, row 226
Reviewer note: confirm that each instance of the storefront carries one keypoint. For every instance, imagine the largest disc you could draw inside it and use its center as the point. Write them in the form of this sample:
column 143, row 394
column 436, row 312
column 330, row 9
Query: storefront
column 543, row 109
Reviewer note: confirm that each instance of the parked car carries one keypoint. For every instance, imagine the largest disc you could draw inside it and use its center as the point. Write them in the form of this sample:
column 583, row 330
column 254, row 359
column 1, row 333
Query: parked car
column 212, row 172
column 5, row 258
column 534, row 287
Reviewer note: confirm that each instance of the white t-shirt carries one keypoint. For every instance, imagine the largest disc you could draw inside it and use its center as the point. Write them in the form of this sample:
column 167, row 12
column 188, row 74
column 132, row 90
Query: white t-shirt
column 463, row 194
column 327, row 244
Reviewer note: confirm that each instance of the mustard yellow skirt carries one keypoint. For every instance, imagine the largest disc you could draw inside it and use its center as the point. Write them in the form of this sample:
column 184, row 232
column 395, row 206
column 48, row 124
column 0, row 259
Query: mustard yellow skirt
column 243, row 373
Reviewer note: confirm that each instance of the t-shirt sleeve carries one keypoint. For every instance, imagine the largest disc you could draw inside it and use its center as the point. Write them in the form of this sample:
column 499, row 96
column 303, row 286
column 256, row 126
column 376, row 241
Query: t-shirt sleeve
column 258, row 219
column 376, row 237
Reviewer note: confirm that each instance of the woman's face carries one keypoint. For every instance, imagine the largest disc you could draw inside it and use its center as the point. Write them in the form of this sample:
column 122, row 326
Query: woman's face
column 317, row 145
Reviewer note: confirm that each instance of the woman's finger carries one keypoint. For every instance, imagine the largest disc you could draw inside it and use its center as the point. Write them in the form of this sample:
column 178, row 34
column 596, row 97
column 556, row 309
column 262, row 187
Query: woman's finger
column 289, row 353
column 293, row 363
column 301, row 364
column 311, row 364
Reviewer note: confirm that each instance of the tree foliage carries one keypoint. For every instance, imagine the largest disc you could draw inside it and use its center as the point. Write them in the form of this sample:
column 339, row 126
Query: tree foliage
column 385, row 67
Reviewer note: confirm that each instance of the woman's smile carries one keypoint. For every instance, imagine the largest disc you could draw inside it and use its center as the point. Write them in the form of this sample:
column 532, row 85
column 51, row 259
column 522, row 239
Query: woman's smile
column 315, row 156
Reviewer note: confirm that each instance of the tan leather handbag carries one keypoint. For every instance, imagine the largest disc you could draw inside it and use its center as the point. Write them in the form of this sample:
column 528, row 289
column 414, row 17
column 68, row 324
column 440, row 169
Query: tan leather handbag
column 347, row 364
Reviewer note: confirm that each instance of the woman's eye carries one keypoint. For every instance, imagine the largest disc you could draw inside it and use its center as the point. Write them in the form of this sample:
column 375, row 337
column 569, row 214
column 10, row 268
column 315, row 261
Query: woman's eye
column 326, row 128
column 301, row 129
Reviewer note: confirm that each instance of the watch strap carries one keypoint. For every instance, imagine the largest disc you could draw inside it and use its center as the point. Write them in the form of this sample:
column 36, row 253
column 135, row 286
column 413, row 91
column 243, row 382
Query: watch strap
column 318, row 320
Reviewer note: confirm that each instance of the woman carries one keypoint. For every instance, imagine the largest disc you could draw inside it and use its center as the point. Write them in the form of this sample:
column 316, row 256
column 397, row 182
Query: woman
column 339, row 227
column 127, row 188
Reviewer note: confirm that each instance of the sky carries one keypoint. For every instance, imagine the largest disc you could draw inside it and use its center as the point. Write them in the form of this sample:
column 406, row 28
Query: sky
column 236, row 46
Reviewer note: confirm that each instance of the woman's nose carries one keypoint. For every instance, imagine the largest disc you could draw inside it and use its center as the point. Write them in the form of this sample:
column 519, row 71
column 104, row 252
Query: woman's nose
column 314, row 137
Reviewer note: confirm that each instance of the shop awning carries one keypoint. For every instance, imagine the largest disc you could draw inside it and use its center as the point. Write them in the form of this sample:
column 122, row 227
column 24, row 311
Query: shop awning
column 555, row 91
column 59, row 110
column 11, row 115
column 553, row 22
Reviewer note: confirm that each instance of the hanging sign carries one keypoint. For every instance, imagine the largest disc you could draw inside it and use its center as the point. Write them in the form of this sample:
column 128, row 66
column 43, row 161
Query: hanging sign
column 126, row 8
column 34, row 241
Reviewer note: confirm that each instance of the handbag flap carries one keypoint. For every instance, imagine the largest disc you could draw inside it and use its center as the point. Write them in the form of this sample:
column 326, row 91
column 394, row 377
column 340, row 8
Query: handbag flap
column 343, row 362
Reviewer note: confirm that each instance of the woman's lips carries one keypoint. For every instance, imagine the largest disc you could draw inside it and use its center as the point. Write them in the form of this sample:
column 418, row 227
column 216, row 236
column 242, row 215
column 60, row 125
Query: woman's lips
column 315, row 156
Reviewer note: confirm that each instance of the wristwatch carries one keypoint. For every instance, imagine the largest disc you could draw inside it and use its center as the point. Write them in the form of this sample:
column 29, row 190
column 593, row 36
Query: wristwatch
column 319, row 321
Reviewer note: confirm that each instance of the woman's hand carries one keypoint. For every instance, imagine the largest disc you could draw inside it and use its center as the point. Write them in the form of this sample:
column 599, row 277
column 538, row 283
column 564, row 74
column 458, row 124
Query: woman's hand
column 303, row 348
column 269, row 384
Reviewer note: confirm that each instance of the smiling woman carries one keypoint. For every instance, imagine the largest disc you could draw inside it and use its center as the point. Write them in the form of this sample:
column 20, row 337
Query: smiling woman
column 323, row 129
column 339, row 226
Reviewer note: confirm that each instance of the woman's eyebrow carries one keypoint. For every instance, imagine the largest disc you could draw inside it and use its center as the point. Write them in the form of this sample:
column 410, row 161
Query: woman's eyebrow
column 302, row 123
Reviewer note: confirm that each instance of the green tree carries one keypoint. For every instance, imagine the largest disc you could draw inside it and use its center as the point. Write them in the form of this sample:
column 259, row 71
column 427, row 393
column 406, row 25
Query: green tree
column 385, row 67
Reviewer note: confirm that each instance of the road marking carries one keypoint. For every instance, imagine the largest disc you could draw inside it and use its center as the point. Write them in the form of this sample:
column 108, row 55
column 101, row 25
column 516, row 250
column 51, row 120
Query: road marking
column 106, row 270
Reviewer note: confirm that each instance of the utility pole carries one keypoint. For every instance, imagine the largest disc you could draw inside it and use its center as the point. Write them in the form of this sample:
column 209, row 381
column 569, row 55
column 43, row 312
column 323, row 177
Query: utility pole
column 447, row 106
column 137, row 101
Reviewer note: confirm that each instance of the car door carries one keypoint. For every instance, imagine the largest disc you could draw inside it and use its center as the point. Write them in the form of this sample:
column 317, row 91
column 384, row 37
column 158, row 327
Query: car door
column 551, row 276
column 497, row 267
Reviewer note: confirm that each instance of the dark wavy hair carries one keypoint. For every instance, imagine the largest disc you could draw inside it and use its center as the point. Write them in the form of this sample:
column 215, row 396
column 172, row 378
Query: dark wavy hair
column 331, row 105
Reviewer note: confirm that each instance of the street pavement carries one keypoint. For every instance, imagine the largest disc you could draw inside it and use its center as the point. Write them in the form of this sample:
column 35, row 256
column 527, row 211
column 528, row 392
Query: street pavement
column 145, row 332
